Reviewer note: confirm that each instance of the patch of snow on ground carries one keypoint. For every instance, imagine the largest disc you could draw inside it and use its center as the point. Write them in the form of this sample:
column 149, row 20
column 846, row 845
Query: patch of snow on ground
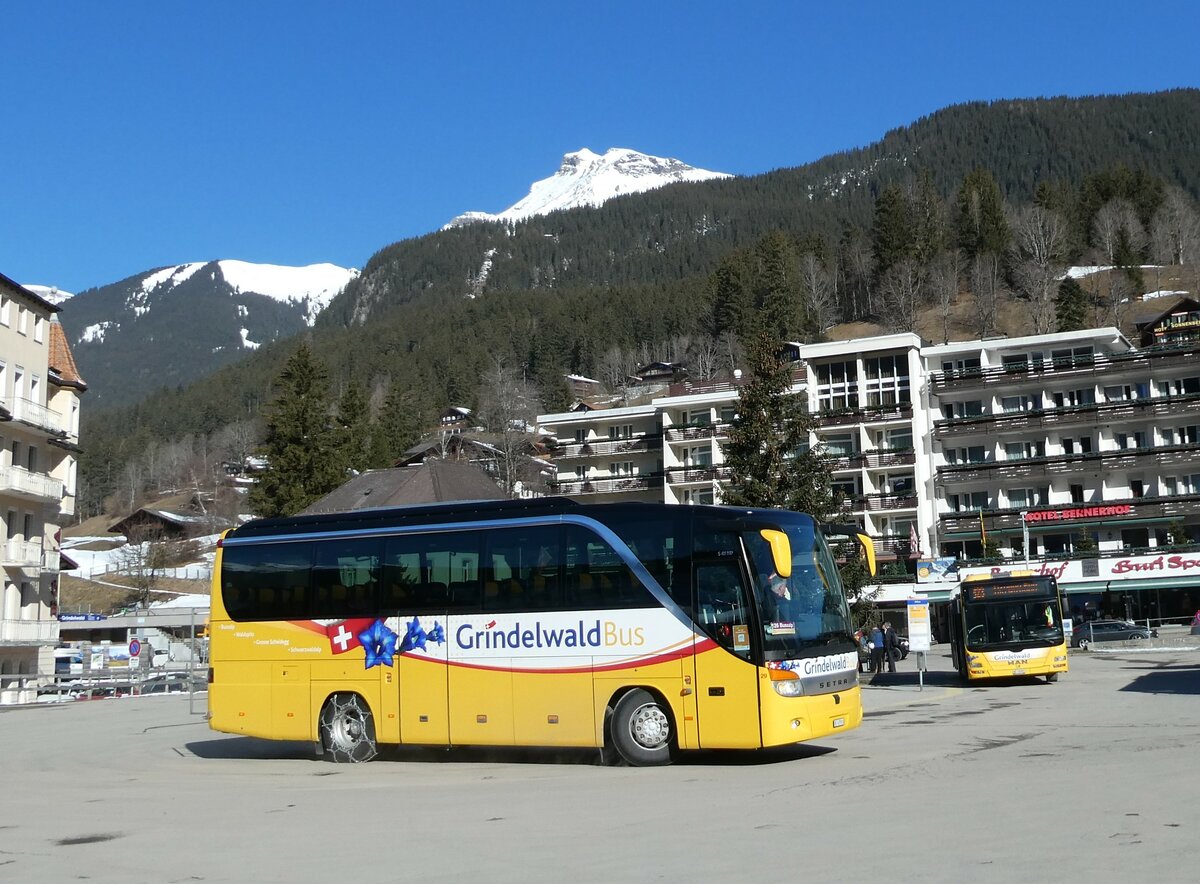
column 175, row 275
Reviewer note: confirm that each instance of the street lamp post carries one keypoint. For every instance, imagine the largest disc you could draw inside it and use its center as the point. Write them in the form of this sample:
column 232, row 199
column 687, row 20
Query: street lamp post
column 1025, row 534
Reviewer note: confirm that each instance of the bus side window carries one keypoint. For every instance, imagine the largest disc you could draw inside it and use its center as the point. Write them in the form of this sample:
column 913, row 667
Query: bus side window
column 721, row 602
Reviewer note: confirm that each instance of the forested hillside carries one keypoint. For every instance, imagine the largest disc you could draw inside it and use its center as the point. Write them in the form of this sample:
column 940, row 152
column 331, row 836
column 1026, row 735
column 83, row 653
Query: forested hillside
column 938, row 227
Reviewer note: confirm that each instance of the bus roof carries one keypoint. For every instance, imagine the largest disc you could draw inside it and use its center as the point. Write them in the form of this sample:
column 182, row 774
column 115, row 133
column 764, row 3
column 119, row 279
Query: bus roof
column 462, row 510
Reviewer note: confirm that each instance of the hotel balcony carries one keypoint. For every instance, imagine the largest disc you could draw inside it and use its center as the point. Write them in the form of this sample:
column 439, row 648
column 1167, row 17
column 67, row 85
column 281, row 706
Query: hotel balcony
column 31, row 486
column 643, row 482
column 689, row 475
column 21, row 554
column 874, row 460
column 863, row 503
column 1074, row 366
column 36, row 415
column 609, row 447
column 1054, row 465
column 28, row 632
column 1144, row 508
column 695, row 433
column 1059, row 418
column 873, row 414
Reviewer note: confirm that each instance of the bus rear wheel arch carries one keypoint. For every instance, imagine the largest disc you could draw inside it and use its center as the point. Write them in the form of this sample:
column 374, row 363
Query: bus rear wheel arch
column 347, row 729
column 641, row 729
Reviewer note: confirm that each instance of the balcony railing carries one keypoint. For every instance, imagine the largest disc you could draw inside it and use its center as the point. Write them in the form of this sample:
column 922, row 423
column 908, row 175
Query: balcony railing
column 606, row 447
column 38, row 486
column 873, row 502
column 1046, row 418
column 21, row 554
column 1158, row 357
column 28, row 632
column 37, row 415
column 609, row 486
column 685, row 475
column 873, row 460
column 1052, row 465
column 705, row 431
column 868, row 415
column 1171, row 507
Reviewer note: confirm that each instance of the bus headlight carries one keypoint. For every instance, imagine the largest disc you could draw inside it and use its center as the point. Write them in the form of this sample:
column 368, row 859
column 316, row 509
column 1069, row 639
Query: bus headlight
column 786, row 683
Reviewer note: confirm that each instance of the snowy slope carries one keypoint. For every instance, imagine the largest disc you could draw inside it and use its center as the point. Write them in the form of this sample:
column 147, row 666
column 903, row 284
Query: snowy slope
column 586, row 178
column 50, row 293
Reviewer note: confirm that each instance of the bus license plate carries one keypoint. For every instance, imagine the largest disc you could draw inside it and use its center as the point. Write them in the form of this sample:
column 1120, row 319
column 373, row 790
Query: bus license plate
column 1018, row 672
column 839, row 722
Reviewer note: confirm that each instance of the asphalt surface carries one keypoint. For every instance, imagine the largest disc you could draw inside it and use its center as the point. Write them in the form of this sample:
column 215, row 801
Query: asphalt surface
column 1095, row 778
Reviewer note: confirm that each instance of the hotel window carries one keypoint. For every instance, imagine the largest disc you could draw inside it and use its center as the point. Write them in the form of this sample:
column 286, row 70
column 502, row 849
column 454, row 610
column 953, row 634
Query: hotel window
column 961, row 366
column 1187, row 435
column 1082, row 445
column 968, row 501
column 1015, row 404
column 1137, row 488
column 624, row 468
column 1179, row 387
column 1072, row 356
column 1019, row 498
column 5, row 310
column 837, row 386
column 899, row 483
column 22, row 320
column 846, row 488
column 841, row 445
column 38, row 333
column 580, row 436
column 899, row 440
column 887, row 380
column 697, row 496
column 699, row 457
column 1024, row 450
column 728, row 413
column 973, row 408
column 699, row 418
column 1074, row 398
column 972, row 454
column 625, row 431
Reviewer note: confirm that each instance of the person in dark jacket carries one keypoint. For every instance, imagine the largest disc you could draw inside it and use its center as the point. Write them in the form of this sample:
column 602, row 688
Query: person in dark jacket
column 891, row 646
column 876, row 649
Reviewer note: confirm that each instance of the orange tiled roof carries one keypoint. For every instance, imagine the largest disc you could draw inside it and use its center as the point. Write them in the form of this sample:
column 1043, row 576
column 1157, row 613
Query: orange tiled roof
column 61, row 359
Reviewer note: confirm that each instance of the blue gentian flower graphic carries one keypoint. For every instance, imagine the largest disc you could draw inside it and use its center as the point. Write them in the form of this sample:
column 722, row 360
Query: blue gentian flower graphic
column 380, row 644
column 437, row 634
column 415, row 638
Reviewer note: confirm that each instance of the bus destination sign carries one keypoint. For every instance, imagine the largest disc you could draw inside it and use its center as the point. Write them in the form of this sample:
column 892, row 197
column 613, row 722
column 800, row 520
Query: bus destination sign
column 990, row 591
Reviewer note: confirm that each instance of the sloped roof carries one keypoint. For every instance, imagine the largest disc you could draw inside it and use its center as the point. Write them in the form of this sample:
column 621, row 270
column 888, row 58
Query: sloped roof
column 1149, row 312
column 433, row 481
column 62, row 362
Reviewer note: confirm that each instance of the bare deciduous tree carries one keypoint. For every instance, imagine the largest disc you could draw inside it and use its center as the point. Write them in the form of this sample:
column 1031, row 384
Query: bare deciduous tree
column 1041, row 241
column 816, row 292
column 508, row 408
column 902, row 290
column 944, row 274
column 1175, row 230
column 703, row 358
column 986, row 284
column 1116, row 219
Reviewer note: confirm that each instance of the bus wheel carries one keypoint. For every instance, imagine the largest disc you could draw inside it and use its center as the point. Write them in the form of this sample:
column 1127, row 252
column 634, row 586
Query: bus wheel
column 347, row 729
column 641, row 729
column 1051, row 677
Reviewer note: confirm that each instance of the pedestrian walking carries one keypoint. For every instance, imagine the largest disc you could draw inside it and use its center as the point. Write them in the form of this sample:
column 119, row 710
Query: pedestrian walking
column 876, row 649
column 891, row 646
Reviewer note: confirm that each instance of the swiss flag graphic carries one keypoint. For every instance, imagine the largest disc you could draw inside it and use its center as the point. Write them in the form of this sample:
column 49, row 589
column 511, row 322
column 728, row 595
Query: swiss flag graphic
column 344, row 636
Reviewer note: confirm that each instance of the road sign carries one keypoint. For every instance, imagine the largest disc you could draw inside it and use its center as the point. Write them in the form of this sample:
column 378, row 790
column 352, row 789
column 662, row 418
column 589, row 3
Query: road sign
column 135, row 647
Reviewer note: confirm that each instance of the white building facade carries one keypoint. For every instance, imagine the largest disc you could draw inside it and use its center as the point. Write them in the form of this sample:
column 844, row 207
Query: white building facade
column 40, row 391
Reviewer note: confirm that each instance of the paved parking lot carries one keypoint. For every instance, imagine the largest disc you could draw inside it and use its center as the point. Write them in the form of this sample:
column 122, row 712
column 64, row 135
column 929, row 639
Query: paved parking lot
column 1091, row 779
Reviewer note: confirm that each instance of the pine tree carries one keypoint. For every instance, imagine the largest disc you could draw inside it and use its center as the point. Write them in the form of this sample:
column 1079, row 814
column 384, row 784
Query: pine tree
column 353, row 428
column 1071, row 306
column 892, row 230
column 979, row 220
column 397, row 427
column 302, row 458
column 777, row 287
column 768, row 454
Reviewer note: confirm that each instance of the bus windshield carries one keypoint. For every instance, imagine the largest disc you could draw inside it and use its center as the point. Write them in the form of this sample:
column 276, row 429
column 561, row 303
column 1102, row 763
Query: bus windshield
column 806, row 614
column 993, row 625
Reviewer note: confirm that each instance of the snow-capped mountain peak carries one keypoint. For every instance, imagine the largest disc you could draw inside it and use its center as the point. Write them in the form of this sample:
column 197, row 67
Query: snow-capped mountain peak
column 586, row 178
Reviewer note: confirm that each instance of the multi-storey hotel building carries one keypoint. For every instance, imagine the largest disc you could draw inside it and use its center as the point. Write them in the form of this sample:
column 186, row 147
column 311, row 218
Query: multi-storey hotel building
column 39, row 434
column 1078, row 451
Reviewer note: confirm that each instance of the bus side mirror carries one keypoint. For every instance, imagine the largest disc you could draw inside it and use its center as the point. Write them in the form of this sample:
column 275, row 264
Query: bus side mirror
column 781, row 550
column 867, row 545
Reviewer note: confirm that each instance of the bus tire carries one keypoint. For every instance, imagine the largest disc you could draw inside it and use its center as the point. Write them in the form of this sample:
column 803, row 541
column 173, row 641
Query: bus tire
column 641, row 730
column 1051, row 678
column 347, row 729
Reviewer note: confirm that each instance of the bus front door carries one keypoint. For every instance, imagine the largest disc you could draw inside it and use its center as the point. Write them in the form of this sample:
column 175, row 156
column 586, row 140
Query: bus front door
column 726, row 681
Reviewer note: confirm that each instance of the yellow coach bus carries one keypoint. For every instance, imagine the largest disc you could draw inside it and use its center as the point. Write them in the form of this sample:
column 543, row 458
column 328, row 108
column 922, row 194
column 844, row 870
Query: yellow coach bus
column 1008, row 626
column 641, row 628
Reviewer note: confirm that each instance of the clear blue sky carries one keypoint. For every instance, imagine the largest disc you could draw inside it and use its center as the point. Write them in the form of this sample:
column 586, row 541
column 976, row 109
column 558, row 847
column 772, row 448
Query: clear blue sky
column 143, row 134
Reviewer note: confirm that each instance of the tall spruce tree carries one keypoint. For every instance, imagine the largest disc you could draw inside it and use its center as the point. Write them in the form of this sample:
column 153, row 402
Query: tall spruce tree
column 768, row 453
column 301, row 452
column 1071, row 306
column 892, row 231
column 353, row 428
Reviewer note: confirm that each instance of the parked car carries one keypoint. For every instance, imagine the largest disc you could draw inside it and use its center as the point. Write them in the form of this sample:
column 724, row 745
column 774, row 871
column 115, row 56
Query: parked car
column 1109, row 631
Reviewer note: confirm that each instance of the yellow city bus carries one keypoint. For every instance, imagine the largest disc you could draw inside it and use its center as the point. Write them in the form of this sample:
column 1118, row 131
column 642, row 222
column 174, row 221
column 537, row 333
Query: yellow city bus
column 640, row 628
column 1007, row 626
